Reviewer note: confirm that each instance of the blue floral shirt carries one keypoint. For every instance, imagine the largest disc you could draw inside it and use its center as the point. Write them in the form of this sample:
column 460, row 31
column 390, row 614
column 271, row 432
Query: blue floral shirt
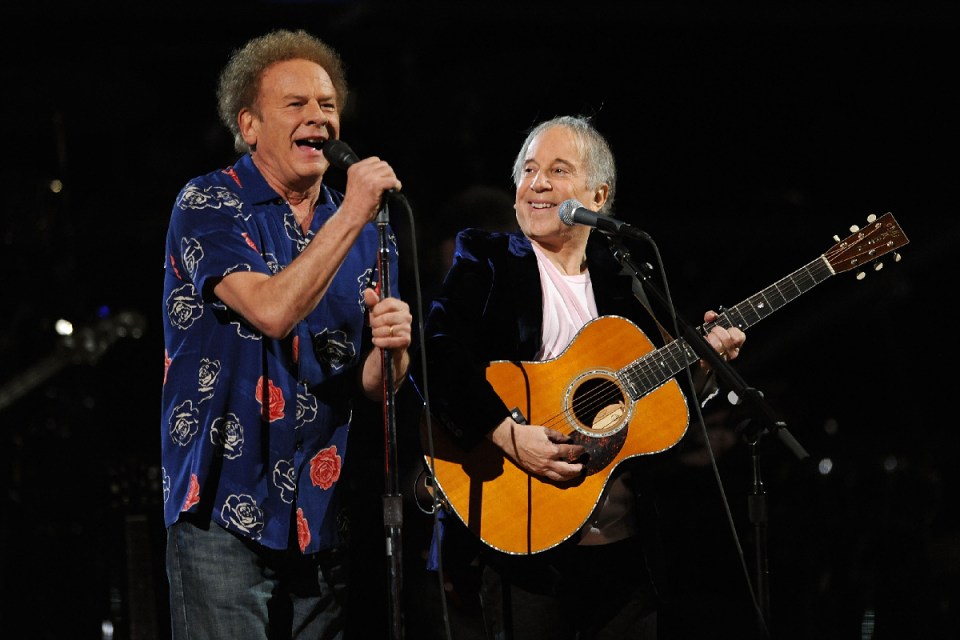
column 254, row 430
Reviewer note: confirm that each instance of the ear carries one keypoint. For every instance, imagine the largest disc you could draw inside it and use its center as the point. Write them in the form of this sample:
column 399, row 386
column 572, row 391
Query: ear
column 249, row 126
column 600, row 195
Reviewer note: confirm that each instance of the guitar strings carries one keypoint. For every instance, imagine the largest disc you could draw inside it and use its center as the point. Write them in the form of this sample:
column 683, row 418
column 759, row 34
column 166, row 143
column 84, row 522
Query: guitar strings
column 648, row 372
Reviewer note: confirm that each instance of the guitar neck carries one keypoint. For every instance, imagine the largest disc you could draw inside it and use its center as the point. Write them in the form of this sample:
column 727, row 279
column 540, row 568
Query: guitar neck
column 647, row 373
column 759, row 306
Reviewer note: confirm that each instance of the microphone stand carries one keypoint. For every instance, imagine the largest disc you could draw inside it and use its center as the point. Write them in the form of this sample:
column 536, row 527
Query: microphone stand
column 766, row 419
column 392, row 502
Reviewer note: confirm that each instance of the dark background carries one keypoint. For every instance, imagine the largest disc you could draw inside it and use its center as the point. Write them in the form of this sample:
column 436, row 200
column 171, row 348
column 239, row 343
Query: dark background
column 746, row 137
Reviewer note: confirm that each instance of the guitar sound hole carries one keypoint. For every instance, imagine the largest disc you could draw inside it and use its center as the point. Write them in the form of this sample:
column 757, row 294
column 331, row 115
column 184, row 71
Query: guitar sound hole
column 598, row 405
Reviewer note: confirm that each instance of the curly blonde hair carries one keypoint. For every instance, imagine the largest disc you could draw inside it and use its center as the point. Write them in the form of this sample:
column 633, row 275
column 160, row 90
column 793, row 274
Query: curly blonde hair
column 239, row 83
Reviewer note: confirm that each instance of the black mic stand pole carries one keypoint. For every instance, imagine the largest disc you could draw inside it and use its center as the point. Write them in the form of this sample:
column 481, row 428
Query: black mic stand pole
column 392, row 502
column 752, row 398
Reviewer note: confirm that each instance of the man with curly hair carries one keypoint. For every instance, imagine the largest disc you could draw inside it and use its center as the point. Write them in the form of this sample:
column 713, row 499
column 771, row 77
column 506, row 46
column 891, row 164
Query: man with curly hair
column 274, row 327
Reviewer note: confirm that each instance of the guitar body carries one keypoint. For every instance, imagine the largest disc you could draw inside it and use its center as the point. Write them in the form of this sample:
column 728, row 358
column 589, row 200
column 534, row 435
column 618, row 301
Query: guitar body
column 518, row 513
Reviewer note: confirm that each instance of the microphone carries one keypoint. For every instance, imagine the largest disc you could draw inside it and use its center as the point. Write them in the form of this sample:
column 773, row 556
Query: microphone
column 339, row 154
column 573, row 212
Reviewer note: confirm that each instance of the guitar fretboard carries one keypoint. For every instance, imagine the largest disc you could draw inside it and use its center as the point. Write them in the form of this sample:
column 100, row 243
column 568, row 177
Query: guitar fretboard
column 647, row 373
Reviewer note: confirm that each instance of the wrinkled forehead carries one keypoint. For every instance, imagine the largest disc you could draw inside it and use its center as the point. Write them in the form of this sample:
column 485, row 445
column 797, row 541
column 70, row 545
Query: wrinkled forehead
column 557, row 143
column 297, row 77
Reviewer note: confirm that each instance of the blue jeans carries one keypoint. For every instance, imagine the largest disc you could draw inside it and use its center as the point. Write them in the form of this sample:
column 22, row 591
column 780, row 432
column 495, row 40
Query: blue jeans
column 225, row 587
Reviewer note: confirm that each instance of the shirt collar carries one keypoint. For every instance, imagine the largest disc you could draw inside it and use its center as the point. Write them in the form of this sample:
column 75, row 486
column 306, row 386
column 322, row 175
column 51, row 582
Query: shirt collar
column 255, row 185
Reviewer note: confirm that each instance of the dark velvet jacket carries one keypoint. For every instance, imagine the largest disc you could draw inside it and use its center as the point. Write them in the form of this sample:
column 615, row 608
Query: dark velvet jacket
column 490, row 308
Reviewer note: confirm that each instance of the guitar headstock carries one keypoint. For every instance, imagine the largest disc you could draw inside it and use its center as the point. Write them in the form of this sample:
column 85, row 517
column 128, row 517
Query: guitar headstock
column 879, row 237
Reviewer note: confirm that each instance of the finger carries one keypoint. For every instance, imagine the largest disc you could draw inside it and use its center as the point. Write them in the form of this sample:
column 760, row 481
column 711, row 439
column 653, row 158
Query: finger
column 370, row 298
column 555, row 436
column 564, row 471
column 570, row 469
column 392, row 331
column 717, row 346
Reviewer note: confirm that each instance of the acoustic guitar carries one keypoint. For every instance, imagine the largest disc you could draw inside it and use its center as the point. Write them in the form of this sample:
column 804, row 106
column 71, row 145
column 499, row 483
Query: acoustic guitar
column 612, row 392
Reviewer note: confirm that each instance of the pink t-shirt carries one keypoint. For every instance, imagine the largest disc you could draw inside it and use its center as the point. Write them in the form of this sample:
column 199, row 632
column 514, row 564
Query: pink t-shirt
column 568, row 304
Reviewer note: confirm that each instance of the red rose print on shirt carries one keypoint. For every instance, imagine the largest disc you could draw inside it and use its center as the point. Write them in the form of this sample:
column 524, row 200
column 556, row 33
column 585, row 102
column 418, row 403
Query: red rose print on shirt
column 303, row 531
column 250, row 242
column 233, row 174
column 273, row 410
column 325, row 467
column 166, row 364
column 176, row 272
column 193, row 495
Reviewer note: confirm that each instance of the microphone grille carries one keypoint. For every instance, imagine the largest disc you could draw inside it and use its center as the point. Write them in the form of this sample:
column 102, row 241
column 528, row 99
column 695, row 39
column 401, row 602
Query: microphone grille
column 567, row 207
column 339, row 153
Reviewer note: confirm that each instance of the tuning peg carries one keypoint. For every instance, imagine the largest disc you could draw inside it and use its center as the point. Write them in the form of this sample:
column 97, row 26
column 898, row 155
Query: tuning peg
column 836, row 238
column 872, row 218
column 896, row 256
column 877, row 266
column 861, row 275
column 854, row 228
